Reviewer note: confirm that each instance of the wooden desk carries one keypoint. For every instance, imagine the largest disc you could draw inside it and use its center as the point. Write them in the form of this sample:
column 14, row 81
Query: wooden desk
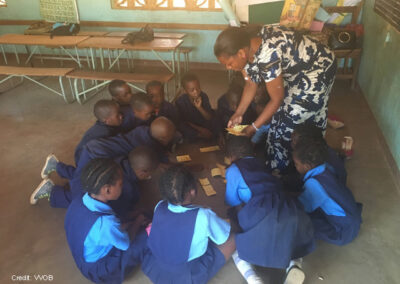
column 92, row 33
column 156, row 35
column 114, row 43
column 61, row 42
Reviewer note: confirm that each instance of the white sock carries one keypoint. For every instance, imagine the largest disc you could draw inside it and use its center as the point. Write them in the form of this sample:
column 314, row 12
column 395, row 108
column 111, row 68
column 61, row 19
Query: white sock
column 246, row 270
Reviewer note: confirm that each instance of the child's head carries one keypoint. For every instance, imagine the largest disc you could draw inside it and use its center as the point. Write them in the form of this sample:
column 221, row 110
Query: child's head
column 191, row 85
column 102, row 179
column 107, row 111
column 234, row 95
column 163, row 130
column 306, row 131
column 155, row 90
column 238, row 147
column 178, row 186
column 143, row 161
column 261, row 98
column 142, row 106
column 120, row 92
column 308, row 154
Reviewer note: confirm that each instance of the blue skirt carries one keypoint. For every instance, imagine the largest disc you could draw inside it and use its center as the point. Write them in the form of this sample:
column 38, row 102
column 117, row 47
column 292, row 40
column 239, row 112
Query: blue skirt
column 197, row 271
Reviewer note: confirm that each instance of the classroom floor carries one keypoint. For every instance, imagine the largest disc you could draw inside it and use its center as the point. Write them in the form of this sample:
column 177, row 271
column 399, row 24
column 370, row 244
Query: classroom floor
column 35, row 122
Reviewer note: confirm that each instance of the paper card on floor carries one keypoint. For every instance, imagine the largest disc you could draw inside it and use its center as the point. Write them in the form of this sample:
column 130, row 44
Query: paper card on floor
column 183, row 158
column 222, row 169
column 204, row 181
column 227, row 161
column 209, row 190
column 209, row 149
column 216, row 172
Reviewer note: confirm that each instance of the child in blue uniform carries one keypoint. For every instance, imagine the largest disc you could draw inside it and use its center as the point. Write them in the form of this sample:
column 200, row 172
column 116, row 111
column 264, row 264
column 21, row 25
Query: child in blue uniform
column 120, row 92
column 273, row 229
column 103, row 249
column 335, row 214
column 195, row 112
column 155, row 90
column 187, row 243
column 139, row 113
column 108, row 121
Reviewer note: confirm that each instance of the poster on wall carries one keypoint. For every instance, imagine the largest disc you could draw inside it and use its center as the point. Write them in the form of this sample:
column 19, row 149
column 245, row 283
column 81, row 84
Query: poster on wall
column 242, row 7
column 59, row 11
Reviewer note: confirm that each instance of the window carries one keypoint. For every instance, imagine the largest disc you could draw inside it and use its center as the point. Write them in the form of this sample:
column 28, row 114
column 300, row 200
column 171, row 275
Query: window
column 389, row 10
column 3, row 3
column 199, row 5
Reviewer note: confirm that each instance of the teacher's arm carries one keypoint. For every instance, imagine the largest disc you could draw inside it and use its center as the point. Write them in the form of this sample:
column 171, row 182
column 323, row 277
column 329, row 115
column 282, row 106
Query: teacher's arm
column 248, row 95
column 276, row 92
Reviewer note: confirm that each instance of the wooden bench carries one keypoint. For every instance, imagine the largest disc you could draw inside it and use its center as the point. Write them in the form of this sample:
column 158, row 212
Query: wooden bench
column 29, row 72
column 131, row 78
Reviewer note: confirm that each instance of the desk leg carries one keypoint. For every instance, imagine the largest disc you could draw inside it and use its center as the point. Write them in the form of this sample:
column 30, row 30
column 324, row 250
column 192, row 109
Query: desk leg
column 31, row 53
column 356, row 65
column 16, row 54
column 165, row 63
column 77, row 57
column 4, row 54
column 93, row 59
column 117, row 58
column 87, row 58
column 101, row 59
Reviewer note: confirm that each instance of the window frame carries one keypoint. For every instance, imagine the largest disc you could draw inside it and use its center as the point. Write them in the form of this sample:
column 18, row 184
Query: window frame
column 152, row 7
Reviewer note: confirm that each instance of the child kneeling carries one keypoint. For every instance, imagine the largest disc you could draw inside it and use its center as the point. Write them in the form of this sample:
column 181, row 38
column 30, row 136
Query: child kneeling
column 102, row 249
column 187, row 243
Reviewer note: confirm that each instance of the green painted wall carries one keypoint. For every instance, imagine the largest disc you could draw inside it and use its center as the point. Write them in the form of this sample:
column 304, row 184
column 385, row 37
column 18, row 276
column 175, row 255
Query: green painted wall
column 379, row 75
column 100, row 10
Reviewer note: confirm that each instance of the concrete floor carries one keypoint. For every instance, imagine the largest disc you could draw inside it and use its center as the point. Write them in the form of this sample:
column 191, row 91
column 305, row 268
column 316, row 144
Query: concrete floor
column 34, row 123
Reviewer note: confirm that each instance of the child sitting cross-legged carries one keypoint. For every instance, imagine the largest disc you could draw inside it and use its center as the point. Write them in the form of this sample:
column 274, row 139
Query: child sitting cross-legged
column 195, row 112
column 104, row 250
column 187, row 243
column 108, row 121
column 260, row 208
column 335, row 214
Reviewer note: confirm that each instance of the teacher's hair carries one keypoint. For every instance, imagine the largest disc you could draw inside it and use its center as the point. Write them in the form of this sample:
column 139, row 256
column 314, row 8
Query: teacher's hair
column 232, row 39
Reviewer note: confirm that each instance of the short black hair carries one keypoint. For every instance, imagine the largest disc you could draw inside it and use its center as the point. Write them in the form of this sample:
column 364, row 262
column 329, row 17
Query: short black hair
column 234, row 92
column 99, row 172
column 188, row 77
column 143, row 157
column 311, row 152
column 307, row 131
column 140, row 100
column 175, row 183
column 103, row 108
column 114, row 85
column 239, row 147
column 154, row 83
column 230, row 40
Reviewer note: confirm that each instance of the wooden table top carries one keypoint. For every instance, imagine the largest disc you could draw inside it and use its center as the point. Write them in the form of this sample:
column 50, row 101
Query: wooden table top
column 36, row 71
column 156, row 35
column 92, row 33
column 41, row 40
column 158, row 44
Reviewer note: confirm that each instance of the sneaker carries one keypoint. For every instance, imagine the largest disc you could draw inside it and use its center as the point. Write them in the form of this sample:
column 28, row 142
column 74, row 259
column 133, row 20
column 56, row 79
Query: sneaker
column 42, row 191
column 49, row 166
column 295, row 276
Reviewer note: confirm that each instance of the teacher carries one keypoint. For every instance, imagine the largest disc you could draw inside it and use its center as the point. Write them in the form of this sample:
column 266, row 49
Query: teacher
column 298, row 72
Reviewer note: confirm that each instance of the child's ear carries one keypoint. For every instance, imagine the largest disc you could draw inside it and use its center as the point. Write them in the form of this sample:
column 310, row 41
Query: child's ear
column 241, row 53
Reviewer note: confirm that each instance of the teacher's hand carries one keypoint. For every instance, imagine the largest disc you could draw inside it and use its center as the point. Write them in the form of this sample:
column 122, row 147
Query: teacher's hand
column 234, row 120
column 249, row 131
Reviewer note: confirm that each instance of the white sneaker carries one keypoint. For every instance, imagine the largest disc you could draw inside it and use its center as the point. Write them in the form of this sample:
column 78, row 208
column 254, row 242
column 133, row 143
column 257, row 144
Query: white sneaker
column 295, row 276
column 49, row 166
column 42, row 191
column 254, row 279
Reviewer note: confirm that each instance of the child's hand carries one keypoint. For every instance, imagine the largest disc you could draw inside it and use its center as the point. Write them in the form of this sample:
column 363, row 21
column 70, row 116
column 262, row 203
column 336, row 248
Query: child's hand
column 197, row 102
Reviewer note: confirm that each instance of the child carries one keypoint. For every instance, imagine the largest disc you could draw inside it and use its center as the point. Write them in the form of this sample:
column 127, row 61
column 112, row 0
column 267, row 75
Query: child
column 260, row 101
column 263, row 210
column 228, row 103
column 139, row 113
column 187, row 243
column 335, row 214
column 197, row 117
column 120, row 92
column 102, row 249
column 108, row 121
column 155, row 90
column 309, row 131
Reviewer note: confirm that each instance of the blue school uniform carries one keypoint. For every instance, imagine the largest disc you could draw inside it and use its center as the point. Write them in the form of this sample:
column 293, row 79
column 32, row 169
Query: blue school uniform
column 129, row 120
column 275, row 228
column 335, row 214
column 102, row 252
column 182, row 244
column 169, row 111
column 224, row 113
column 98, row 130
column 188, row 113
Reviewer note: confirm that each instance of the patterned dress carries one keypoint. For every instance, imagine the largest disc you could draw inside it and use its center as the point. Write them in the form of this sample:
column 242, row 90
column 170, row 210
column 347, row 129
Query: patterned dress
column 308, row 69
